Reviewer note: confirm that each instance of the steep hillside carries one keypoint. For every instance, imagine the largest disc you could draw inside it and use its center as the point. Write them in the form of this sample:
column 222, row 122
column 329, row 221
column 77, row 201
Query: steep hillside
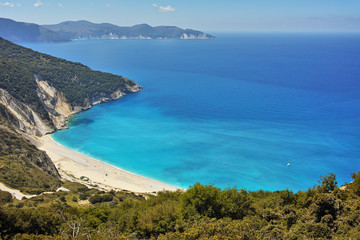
column 27, row 32
column 87, row 30
column 38, row 93
column 53, row 88
column 22, row 165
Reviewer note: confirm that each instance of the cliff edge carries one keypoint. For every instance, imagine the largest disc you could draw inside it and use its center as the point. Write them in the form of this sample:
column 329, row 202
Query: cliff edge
column 38, row 93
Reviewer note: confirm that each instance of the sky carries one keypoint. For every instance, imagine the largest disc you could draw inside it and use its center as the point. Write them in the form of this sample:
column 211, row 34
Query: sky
column 206, row 15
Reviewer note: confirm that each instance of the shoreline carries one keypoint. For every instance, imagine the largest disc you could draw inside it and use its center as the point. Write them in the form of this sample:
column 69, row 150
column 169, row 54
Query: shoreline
column 73, row 165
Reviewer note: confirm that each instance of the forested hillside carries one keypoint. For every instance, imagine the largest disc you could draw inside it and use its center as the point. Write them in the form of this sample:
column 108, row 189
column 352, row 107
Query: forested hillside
column 35, row 89
column 202, row 212
column 79, row 84
column 88, row 30
column 66, row 31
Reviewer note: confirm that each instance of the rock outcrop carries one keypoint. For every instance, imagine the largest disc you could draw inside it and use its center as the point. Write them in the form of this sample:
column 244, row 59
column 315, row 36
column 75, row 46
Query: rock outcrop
column 59, row 108
column 38, row 93
column 55, row 103
column 28, row 120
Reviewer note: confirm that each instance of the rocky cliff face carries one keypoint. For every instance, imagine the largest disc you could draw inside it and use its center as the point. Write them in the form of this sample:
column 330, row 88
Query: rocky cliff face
column 42, row 91
column 58, row 107
column 34, row 105
column 27, row 120
column 101, row 98
column 55, row 103
column 194, row 36
column 19, row 155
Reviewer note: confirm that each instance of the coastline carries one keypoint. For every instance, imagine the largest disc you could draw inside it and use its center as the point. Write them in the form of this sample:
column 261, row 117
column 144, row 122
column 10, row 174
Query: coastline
column 73, row 165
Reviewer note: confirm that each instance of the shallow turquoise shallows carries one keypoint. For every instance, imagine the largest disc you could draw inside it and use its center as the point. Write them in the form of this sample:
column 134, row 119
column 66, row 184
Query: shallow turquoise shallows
column 255, row 111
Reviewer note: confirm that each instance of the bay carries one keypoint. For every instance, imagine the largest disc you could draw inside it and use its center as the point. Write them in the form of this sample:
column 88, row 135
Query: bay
column 265, row 111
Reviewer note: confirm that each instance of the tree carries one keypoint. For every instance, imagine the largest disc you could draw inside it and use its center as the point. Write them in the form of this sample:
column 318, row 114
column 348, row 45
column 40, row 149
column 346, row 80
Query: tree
column 355, row 185
column 202, row 200
column 5, row 197
column 328, row 183
column 234, row 203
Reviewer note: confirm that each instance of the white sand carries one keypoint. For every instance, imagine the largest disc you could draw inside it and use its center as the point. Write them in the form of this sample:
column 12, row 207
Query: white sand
column 73, row 165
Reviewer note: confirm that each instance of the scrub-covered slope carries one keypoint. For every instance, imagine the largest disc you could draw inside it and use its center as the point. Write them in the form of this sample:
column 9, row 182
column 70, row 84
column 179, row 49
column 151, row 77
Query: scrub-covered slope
column 38, row 93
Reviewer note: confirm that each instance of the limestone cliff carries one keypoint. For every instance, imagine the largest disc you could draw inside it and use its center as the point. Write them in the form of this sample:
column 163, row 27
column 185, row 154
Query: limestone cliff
column 60, row 109
column 38, row 93
column 57, row 106
column 55, row 103
column 27, row 120
column 42, row 91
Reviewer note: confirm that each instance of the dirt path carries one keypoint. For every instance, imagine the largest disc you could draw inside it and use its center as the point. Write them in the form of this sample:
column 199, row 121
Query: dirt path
column 16, row 193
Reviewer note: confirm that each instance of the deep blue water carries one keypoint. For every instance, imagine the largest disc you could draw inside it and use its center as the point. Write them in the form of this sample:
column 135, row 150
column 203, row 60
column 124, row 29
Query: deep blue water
column 230, row 112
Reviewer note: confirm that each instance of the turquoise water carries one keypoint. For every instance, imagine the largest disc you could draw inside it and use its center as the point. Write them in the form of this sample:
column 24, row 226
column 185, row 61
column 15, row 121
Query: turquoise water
column 234, row 111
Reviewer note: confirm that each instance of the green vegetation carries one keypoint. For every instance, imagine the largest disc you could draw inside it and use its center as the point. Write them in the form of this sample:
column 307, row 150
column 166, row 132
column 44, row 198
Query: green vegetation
column 79, row 84
column 84, row 29
column 202, row 212
column 22, row 165
column 97, row 198
column 5, row 197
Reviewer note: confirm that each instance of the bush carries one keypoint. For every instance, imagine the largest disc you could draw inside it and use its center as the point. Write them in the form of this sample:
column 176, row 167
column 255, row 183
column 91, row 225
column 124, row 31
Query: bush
column 5, row 197
column 84, row 196
column 100, row 198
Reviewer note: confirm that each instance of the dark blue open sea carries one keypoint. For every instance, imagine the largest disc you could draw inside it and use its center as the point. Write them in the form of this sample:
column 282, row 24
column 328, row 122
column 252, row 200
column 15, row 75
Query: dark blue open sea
column 256, row 111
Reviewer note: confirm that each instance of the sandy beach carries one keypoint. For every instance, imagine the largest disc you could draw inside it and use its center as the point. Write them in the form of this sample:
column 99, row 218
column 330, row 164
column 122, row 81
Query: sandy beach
column 73, row 165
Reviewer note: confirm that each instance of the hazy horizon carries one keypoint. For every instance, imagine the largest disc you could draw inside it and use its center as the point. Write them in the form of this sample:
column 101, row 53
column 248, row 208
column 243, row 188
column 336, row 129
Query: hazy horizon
column 214, row 16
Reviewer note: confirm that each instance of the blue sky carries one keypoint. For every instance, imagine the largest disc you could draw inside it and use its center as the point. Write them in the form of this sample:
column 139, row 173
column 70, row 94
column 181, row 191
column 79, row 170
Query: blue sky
column 208, row 15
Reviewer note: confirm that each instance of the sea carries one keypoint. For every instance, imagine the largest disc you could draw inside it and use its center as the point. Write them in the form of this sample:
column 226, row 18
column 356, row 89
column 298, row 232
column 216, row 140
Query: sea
column 270, row 111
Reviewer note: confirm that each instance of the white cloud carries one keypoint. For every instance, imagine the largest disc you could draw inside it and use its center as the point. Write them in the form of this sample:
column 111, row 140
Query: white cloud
column 91, row 4
column 107, row 5
column 38, row 3
column 18, row 5
column 7, row 4
column 164, row 8
column 60, row 5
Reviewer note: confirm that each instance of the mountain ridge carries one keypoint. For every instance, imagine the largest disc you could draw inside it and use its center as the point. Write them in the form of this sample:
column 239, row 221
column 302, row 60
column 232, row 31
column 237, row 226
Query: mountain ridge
column 83, row 29
column 74, row 30
column 27, row 32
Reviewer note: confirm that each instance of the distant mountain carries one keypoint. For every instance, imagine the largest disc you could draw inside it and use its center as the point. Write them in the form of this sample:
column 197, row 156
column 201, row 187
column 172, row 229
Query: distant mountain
column 27, row 32
column 87, row 30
